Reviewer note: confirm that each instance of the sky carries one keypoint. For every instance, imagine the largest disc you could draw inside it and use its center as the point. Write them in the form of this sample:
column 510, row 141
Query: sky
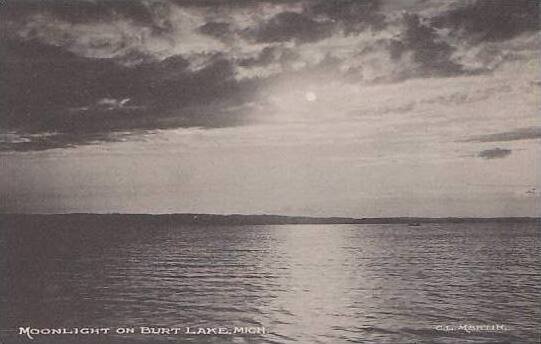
column 367, row 108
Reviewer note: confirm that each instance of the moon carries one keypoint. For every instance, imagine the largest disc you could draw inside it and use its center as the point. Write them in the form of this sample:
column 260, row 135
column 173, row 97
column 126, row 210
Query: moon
column 310, row 96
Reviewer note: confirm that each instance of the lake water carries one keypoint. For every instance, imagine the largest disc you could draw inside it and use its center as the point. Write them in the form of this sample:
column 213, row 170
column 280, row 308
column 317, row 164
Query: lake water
column 302, row 283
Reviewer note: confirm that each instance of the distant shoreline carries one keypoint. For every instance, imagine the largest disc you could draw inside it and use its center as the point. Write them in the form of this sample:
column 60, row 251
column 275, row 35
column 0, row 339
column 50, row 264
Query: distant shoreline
column 237, row 219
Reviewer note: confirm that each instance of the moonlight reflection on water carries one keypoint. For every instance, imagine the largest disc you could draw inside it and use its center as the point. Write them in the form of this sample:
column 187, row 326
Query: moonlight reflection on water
column 301, row 283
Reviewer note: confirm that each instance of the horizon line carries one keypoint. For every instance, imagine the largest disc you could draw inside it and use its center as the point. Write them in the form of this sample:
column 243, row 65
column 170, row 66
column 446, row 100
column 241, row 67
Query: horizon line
column 266, row 214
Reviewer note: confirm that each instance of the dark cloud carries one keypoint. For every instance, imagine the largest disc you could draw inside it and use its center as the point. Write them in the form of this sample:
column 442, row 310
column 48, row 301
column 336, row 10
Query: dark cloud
column 148, row 13
column 216, row 29
column 319, row 19
column 82, row 100
column 532, row 192
column 288, row 26
column 531, row 133
column 179, row 87
column 33, row 142
column 45, row 79
column 496, row 153
column 492, row 20
column 316, row 20
column 228, row 3
column 430, row 52
column 269, row 55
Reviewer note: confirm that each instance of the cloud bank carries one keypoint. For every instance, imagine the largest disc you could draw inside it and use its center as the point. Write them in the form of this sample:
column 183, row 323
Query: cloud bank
column 82, row 72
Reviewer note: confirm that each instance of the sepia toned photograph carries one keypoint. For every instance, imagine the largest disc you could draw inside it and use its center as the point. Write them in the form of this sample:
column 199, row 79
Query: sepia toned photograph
column 270, row 171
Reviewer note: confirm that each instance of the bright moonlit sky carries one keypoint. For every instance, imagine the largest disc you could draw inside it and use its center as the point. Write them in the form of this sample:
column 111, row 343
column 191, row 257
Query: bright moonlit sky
column 327, row 108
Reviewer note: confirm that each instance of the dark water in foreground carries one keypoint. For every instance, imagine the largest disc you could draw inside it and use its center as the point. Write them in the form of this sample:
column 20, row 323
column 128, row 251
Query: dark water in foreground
column 303, row 283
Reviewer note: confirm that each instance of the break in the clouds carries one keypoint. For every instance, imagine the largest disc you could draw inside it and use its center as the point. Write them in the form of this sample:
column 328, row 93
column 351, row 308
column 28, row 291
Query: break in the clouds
column 85, row 71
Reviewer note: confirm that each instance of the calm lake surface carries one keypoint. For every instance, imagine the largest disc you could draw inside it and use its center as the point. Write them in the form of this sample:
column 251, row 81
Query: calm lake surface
column 302, row 283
